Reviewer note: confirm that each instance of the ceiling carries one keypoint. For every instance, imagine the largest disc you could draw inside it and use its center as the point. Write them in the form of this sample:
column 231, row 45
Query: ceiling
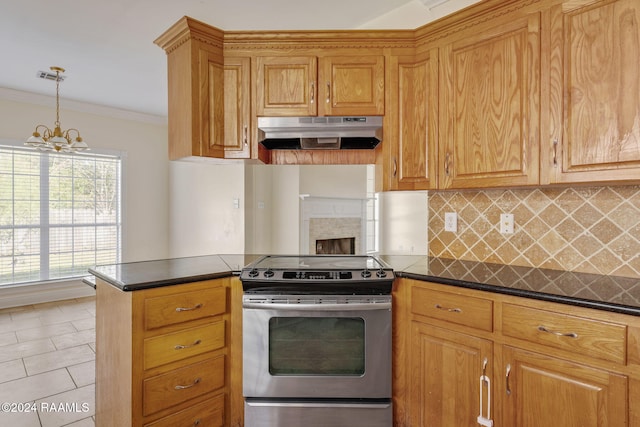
column 107, row 46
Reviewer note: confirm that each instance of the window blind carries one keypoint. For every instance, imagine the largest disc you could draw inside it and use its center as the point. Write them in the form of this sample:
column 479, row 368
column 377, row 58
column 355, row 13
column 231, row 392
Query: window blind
column 59, row 214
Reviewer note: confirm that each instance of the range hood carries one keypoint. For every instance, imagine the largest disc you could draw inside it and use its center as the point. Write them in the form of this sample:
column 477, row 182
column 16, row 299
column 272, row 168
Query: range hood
column 362, row 132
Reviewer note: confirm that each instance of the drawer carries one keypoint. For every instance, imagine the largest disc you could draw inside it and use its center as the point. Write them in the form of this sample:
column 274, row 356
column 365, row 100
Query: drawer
column 177, row 386
column 209, row 413
column 460, row 309
column 190, row 342
column 581, row 335
column 178, row 308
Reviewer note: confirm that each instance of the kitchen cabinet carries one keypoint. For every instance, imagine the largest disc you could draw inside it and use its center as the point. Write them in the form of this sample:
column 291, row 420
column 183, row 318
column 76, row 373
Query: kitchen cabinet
column 594, row 92
column 489, row 104
column 320, row 86
column 237, row 107
column 413, row 121
column 196, row 89
column 166, row 356
column 546, row 363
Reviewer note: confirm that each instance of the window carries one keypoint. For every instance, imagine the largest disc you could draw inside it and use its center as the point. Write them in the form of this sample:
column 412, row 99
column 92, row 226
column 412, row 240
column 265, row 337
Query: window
column 59, row 214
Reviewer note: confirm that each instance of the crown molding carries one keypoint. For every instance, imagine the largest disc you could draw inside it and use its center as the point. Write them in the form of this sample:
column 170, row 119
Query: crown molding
column 79, row 106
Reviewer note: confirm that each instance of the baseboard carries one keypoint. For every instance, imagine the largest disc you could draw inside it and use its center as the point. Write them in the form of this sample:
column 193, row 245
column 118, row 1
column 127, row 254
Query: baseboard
column 17, row 296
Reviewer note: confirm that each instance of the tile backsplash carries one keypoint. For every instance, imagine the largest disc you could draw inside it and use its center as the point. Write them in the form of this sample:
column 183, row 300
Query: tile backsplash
column 581, row 229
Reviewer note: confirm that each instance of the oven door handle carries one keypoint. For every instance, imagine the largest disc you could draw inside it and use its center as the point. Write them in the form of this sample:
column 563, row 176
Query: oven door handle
column 318, row 307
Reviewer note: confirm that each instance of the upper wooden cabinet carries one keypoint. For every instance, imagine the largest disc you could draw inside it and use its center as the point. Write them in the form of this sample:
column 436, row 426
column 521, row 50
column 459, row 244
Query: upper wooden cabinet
column 237, row 108
column 489, row 104
column 324, row 86
column 594, row 92
column 196, row 89
column 413, row 121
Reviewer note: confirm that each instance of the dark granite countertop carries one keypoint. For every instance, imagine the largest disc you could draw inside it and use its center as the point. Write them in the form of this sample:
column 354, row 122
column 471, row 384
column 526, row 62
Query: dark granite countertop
column 616, row 294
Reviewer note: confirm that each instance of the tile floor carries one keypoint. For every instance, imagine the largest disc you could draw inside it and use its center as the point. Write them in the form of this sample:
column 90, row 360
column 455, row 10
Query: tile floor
column 47, row 364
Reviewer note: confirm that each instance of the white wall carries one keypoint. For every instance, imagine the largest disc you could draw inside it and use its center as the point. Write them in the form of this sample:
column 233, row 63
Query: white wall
column 404, row 219
column 206, row 208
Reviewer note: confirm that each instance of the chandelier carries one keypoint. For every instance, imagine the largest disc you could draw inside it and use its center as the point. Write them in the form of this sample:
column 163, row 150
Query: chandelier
column 58, row 140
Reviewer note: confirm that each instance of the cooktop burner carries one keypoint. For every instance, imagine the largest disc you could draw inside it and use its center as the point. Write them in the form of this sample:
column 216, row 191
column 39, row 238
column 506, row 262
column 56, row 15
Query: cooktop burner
column 317, row 274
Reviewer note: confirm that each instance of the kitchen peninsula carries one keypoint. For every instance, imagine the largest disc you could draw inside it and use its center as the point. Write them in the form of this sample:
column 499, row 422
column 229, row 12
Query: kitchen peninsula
column 178, row 321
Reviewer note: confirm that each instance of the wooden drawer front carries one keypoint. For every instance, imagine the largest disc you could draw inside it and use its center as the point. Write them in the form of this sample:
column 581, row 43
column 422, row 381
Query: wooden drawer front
column 178, row 308
column 209, row 413
column 166, row 390
column 593, row 338
column 463, row 310
column 180, row 345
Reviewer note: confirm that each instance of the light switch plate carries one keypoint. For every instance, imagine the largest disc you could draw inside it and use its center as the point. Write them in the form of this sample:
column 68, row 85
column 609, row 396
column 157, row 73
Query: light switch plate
column 451, row 222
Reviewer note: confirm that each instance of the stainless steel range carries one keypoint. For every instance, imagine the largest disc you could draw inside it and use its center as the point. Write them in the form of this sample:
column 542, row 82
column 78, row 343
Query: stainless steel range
column 317, row 341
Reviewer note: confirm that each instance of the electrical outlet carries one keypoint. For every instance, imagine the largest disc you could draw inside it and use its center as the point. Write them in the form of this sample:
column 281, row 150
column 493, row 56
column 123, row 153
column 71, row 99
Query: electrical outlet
column 451, row 222
column 506, row 223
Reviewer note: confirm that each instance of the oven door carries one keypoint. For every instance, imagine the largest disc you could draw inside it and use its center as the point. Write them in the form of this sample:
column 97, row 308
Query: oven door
column 321, row 349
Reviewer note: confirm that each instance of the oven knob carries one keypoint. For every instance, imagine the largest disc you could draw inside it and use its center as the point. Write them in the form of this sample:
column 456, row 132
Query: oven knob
column 366, row 274
column 268, row 273
column 381, row 273
column 253, row 273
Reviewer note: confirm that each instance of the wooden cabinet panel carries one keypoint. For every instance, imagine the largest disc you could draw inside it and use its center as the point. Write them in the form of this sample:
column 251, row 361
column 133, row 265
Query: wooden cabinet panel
column 209, row 413
column 596, row 338
column 545, row 391
column 459, row 309
column 414, row 111
column 489, row 101
column 444, row 368
column 286, row 86
column 179, row 385
column 594, row 92
column 352, row 85
column 180, row 345
column 237, row 111
column 173, row 309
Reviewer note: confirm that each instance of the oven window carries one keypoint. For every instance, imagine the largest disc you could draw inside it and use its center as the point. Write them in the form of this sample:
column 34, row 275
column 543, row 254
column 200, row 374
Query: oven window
column 316, row 346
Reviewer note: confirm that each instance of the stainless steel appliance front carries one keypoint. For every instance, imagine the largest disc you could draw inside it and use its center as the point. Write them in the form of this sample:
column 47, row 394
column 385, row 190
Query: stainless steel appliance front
column 317, row 346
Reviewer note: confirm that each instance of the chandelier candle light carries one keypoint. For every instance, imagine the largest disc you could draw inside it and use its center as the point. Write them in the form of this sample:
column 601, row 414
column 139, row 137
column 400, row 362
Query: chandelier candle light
column 57, row 139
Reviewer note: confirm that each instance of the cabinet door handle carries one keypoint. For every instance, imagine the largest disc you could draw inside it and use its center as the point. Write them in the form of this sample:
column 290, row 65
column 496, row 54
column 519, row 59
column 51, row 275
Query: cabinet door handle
column 507, row 379
column 180, row 346
column 196, row 422
column 395, row 167
column 555, row 152
column 195, row 307
column 313, row 92
column 446, row 163
column 484, row 419
column 542, row 328
column 328, row 92
column 246, row 131
column 450, row 310
column 182, row 387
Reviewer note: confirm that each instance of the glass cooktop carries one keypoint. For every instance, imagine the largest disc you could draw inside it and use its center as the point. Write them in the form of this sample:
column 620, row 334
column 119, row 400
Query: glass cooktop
column 322, row 262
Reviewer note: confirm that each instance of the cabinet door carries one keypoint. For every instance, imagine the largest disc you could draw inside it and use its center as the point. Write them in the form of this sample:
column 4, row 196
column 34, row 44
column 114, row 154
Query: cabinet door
column 445, row 368
column 594, row 133
column 490, row 106
column 544, row 391
column 351, row 85
column 415, row 115
column 286, row 86
column 211, row 102
column 237, row 118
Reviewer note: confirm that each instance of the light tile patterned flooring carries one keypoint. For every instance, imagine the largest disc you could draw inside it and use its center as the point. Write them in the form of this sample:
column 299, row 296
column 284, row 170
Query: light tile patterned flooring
column 47, row 364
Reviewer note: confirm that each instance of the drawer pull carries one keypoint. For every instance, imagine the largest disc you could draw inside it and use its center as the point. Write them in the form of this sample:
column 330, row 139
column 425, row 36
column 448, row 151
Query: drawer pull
column 508, row 387
column 196, row 422
column 195, row 307
column 450, row 310
column 182, row 387
column 556, row 333
column 180, row 346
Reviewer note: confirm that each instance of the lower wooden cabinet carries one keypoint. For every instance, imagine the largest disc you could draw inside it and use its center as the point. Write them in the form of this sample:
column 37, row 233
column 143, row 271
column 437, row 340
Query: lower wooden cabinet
column 165, row 356
column 519, row 363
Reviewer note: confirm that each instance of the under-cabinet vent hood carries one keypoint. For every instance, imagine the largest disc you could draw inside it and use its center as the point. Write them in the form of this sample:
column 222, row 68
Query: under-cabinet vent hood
column 362, row 132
